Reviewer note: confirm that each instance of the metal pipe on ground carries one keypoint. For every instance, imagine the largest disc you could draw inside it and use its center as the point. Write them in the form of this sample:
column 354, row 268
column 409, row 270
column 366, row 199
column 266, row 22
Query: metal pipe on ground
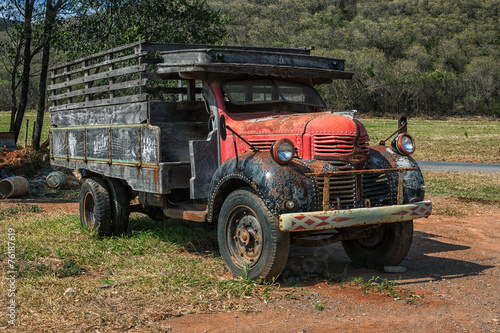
column 14, row 187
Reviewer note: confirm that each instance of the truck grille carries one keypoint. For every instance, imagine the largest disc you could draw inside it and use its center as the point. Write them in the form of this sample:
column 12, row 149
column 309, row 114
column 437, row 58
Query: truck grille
column 331, row 145
column 375, row 187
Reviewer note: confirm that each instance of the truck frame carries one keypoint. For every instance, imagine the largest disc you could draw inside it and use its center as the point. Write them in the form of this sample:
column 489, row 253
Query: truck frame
column 236, row 136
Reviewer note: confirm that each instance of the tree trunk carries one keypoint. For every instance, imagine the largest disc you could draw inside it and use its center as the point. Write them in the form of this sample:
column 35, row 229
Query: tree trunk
column 14, row 84
column 50, row 14
column 25, row 78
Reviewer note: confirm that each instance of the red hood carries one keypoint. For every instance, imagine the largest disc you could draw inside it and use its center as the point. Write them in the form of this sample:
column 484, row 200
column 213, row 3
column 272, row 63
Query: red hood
column 276, row 124
column 335, row 124
column 312, row 123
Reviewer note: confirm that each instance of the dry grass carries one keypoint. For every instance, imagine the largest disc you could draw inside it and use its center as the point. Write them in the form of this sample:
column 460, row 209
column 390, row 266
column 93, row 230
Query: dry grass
column 464, row 185
column 134, row 281
column 463, row 193
column 445, row 140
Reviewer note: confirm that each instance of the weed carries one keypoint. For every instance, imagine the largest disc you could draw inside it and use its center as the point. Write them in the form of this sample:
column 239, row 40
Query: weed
column 245, row 271
column 20, row 208
column 69, row 268
column 378, row 285
column 107, row 281
column 319, row 306
column 291, row 294
column 33, row 270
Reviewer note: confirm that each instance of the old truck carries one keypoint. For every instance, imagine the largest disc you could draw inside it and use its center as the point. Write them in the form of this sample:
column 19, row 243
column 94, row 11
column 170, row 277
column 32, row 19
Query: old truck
column 236, row 136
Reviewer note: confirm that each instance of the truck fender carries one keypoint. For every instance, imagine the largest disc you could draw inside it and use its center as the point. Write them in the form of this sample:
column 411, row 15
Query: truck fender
column 277, row 185
column 385, row 157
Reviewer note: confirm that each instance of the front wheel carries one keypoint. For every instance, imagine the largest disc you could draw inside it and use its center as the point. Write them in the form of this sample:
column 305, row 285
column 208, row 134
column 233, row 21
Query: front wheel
column 386, row 245
column 250, row 241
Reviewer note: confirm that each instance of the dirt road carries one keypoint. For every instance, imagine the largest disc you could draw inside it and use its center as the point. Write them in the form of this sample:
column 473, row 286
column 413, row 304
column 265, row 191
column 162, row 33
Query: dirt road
column 454, row 264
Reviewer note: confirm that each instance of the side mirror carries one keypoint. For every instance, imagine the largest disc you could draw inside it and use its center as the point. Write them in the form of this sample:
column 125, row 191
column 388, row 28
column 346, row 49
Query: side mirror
column 222, row 127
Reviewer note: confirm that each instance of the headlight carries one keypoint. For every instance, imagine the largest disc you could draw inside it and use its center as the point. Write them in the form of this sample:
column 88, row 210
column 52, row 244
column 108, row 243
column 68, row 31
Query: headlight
column 282, row 151
column 403, row 144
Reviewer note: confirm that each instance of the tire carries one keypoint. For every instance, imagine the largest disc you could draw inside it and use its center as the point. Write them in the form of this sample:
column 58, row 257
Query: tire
column 120, row 206
column 250, row 241
column 95, row 206
column 387, row 245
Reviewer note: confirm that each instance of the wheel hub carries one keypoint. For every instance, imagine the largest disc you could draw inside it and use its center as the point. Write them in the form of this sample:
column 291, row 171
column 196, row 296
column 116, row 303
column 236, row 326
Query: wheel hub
column 248, row 238
column 373, row 237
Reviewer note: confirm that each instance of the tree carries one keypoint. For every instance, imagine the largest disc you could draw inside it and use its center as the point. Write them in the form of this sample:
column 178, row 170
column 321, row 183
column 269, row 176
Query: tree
column 89, row 26
column 483, row 78
column 407, row 56
column 20, row 15
column 28, row 25
column 101, row 25
column 52, row 9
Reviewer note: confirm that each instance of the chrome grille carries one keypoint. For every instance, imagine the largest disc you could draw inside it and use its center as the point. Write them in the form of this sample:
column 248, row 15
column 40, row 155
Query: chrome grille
column 342, row 187
column 377, row 189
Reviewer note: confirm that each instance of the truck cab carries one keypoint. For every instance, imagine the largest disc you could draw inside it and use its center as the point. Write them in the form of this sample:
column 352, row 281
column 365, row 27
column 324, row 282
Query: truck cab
column 236, row 136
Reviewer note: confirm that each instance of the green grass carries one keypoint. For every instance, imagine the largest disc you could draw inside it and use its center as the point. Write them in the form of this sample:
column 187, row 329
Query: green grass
column 445, row 140
column 31, row 117
column 166, row 267
column 469, row 185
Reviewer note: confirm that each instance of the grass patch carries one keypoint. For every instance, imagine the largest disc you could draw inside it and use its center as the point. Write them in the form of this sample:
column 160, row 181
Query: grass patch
column 464, row 185
column 158, row 270
column 463, row 193
column 384, row 286
column 19, row 208
column 445, row 140
column 31, row 117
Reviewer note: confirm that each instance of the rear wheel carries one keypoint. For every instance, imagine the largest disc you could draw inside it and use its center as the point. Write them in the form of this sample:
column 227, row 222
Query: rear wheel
column 95, row 206
column 385, row 245
column 120, row 206
column 250, row 241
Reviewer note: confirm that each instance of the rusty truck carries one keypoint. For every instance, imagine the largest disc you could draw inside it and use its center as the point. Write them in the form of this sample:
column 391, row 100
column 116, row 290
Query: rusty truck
column 239, row 137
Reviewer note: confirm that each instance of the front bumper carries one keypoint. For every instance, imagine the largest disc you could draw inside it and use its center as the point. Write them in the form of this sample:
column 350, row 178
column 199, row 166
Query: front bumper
column 333, row 219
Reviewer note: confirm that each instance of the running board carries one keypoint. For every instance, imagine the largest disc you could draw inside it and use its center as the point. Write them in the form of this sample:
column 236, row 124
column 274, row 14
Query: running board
column 195, row 213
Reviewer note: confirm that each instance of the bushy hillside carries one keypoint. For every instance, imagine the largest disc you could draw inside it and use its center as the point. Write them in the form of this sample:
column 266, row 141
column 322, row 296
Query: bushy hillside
column 419, row 57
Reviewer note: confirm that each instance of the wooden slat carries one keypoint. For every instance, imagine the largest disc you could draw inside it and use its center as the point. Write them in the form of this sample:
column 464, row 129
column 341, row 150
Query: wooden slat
column 104, row 75
column 99, row 55
column 130, row 113
column 161, row 90
column 101, row 102
column 101, row 64
column 100, row 89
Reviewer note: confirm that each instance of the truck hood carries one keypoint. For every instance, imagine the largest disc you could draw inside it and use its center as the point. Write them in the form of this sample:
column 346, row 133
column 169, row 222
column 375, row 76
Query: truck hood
column 312, row 123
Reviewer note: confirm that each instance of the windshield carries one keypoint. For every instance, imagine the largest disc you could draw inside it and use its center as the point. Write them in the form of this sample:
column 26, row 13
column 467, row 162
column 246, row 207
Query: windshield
column 251, row 92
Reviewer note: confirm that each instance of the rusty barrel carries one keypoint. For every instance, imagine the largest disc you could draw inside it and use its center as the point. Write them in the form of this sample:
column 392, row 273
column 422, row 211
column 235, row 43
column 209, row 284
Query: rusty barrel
column 14, row 187
column 56, row 179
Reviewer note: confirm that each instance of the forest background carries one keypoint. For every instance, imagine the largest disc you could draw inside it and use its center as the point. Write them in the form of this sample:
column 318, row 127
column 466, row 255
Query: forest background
column 432, row 58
